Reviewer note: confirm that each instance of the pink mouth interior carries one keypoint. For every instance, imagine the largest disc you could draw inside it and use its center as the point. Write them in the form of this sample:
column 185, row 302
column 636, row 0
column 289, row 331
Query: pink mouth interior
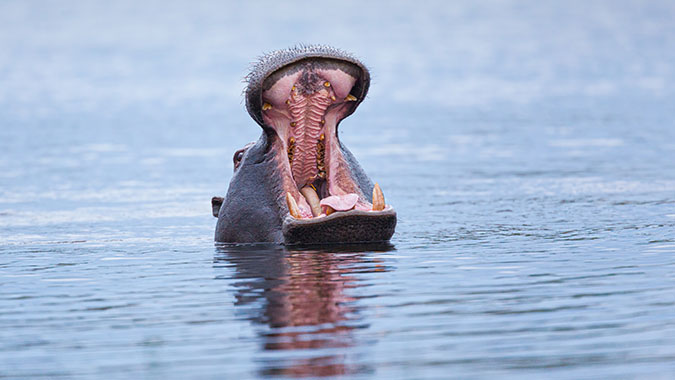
column 304, row 107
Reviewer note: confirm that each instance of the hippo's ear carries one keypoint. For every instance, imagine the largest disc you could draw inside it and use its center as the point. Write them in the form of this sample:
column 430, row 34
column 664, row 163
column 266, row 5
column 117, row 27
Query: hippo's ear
column 216, row 202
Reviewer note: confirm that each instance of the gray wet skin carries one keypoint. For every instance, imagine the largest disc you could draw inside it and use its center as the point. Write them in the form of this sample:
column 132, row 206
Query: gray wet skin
column 286, row 156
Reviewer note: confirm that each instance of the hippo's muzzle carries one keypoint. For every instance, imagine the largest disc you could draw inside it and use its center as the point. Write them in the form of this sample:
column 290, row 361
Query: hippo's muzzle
column 298, row 184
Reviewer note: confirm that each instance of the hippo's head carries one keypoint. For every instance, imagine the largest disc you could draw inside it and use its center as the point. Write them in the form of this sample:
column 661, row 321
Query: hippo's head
column 298, row 184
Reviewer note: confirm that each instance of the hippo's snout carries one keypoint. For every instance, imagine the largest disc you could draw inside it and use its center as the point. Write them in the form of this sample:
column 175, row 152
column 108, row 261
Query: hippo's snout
column 298, row 184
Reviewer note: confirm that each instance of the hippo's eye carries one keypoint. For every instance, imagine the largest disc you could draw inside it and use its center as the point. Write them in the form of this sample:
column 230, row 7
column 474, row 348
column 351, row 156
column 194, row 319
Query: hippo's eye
column 238, row 155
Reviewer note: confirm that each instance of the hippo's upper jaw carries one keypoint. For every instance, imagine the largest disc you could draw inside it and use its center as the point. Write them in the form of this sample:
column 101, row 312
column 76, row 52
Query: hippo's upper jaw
column 298, row 184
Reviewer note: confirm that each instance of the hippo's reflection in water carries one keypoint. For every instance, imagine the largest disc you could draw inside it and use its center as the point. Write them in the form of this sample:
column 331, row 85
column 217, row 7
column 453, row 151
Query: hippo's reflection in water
column 306, row 299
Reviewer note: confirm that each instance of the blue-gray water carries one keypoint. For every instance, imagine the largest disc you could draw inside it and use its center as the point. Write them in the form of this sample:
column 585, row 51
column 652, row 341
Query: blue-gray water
column 528, row 147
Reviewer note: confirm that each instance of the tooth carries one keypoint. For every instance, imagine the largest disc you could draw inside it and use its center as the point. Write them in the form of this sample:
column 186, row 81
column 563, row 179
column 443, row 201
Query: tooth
column 350, row 98
column 378, row 198
column 266, row 106
column 312, row 198
column 320, row 157
column 292, row 206
column 329, row 210
column 332, row 98
column 291, row 149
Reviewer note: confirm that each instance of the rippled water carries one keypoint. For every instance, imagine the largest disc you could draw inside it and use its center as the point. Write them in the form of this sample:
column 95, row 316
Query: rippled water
column 529, row 149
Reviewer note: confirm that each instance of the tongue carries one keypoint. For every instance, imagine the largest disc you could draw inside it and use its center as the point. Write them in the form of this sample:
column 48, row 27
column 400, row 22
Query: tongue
column 340, row 202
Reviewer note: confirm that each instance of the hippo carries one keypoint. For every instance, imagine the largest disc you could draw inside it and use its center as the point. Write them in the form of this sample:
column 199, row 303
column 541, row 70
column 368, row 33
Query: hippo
column 298, row 184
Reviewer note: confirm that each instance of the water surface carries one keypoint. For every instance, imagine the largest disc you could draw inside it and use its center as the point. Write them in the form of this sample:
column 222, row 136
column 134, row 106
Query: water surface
column 529, row 150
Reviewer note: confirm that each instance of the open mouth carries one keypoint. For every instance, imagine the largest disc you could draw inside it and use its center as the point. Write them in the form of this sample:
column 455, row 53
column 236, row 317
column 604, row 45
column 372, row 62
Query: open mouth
column 303, row 103
column 319, row 192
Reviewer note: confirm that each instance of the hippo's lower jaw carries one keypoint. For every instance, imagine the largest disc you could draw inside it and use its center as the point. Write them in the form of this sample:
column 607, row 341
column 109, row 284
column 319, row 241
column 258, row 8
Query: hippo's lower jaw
column 353, row 226
column 298, row 184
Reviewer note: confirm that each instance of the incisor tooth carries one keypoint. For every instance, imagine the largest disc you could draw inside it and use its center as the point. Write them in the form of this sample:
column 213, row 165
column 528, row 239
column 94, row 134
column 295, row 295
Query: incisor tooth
column 350, row 98
column 329, row 210
column 292, row 206
column 266, row 106
column 378, row 198
column 312, row 198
